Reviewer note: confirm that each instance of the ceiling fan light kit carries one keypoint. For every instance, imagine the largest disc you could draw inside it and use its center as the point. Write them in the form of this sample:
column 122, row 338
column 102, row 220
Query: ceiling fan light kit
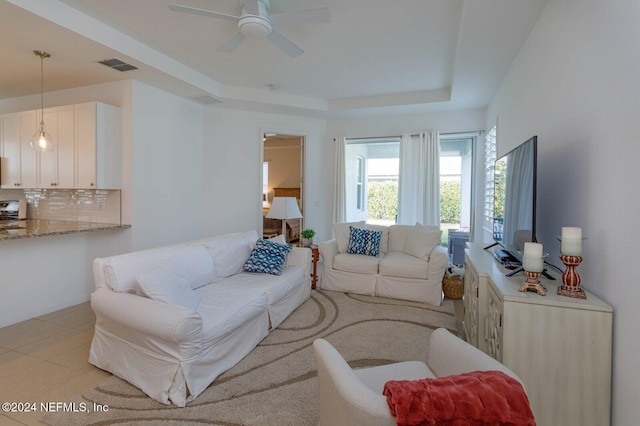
column 254, row 27
column 255, row 22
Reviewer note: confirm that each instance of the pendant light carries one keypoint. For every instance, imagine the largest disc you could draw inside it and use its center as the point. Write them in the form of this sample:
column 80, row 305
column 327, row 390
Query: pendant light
column 41, row 140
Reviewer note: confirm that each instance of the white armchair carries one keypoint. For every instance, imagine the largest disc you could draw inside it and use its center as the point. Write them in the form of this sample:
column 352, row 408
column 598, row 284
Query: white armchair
column 354, row 397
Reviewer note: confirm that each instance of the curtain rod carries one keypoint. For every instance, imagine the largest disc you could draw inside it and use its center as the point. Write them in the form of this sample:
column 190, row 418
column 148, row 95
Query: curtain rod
column 412, row 134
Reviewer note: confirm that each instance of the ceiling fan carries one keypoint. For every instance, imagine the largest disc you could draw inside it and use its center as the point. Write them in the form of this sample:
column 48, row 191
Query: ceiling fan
column 255, row 22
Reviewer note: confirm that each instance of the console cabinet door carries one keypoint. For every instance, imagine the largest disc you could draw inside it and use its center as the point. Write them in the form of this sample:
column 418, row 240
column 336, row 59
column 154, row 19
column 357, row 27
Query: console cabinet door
column 470, row 320
column 493, row 325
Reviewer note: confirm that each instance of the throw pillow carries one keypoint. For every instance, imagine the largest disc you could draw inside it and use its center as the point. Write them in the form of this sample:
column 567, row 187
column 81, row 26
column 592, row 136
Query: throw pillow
column 342, row 231
column 169, row 283
column 198, row 263
column 384, row 241
column 420, row 243
column 364, row 241
column 230, row 252
column 477, row 397
column 267, row 257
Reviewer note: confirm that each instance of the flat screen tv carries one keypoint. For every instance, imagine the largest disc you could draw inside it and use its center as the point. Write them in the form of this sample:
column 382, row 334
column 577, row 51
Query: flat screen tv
column 514, row 207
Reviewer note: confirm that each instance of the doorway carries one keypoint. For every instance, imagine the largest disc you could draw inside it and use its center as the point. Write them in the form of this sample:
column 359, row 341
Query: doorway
column 282, row 176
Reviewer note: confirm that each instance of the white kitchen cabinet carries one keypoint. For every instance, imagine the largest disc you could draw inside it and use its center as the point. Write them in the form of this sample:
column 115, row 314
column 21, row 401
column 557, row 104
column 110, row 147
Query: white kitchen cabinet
column 56, row 168
column 559, row 346
column 98, row 134
column 88, row 152
column 18, row 168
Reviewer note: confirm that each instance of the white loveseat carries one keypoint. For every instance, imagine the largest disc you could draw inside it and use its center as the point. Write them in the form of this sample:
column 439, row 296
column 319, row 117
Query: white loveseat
column 410, row 264
column 172, row 346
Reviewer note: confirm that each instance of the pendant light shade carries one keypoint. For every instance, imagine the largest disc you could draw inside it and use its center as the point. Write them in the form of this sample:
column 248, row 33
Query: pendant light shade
column 41, row 140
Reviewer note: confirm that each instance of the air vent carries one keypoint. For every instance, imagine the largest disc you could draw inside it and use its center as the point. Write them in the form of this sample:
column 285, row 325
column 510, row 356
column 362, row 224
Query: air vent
column 119, row 65
column 206, row 100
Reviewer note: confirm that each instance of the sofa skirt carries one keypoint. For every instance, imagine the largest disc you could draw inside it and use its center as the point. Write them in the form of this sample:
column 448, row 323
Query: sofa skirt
column 423, row 291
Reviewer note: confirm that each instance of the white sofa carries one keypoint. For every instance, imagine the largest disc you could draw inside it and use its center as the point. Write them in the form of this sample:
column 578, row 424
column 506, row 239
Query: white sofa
column 354, row 397
column 410, row 265
column 173, row 346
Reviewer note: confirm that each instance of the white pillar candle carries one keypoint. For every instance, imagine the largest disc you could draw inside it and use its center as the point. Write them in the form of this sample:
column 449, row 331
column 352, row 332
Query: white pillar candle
column 533, row 263
column 571, row 232
column 532, row 249
column 571, row 243
column 532, row 259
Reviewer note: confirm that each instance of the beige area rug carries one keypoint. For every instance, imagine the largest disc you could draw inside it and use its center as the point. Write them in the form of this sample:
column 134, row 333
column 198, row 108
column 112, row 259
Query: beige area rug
column 276, row 383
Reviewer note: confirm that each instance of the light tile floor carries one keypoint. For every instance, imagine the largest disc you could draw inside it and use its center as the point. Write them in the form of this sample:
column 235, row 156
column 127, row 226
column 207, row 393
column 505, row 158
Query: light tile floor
column 45, row 360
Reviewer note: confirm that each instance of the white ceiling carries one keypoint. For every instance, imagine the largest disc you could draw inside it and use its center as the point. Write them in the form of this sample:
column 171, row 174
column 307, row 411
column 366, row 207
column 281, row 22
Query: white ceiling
column 374, row 57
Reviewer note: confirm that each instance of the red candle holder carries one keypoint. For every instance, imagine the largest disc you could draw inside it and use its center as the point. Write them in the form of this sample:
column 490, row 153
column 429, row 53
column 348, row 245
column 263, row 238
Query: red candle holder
column 533, row 283
column 570, row 278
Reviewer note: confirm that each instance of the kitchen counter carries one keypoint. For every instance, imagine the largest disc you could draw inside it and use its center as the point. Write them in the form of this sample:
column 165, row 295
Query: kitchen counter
column 31, row 228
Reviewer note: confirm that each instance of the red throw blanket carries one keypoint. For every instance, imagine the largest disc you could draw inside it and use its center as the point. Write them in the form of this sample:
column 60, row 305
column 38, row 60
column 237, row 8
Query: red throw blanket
column 475, row 398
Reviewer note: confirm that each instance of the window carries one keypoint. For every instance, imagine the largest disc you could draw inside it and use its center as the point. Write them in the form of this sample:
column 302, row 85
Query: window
column 489, row 160
column 372, row 167
column 456, row 174
column 360, row 184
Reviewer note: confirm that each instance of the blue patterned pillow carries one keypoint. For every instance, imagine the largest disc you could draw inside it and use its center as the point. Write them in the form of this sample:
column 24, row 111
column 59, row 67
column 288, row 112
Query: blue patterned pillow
column 364, row 241
column 267, row 257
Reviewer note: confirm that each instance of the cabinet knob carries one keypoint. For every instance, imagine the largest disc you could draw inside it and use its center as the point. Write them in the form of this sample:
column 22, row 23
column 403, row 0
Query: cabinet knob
column 93, row 184
column 16, row 184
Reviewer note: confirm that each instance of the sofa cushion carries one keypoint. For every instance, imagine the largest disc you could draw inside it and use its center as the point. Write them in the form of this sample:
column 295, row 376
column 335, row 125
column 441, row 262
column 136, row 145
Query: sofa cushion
column 398, row 237
column 364, row 241
column 384, row 238
column 356, row 263
column 397, row 264
column 169, row 283
column 267, row 257
column 398, row 234
column 198, row 263
column 230, row 253
column 224, row 308
column 420, row 242
column 121, row 271
column 342, row 231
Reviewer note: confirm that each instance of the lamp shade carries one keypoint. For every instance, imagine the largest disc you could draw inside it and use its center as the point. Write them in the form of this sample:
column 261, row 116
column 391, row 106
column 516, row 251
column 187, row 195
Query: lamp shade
column 284, row 208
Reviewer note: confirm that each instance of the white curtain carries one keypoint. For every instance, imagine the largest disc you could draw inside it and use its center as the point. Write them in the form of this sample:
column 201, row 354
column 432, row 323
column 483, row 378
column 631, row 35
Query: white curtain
column 419, row 186
column 339, row 190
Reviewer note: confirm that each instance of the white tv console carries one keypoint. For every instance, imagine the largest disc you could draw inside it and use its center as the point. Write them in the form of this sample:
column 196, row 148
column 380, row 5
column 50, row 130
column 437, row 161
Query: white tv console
column 559, row 346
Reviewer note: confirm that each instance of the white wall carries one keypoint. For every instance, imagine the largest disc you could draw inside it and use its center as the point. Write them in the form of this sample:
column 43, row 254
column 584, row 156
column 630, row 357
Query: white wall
column 575, row 84
column 396, row 125
column 41, row 275
column 167, row 189
column 162, row 199
column 233, row 167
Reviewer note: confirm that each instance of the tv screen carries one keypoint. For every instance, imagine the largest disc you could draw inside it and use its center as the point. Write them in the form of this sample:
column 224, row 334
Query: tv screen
column 514, row 207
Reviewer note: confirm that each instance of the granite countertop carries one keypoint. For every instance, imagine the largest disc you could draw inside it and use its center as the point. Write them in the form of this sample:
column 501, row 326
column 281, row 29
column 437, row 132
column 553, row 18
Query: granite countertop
column 29, row 228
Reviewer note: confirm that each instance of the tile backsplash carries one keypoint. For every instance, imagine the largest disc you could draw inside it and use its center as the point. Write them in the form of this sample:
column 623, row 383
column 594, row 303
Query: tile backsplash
column 76, row 205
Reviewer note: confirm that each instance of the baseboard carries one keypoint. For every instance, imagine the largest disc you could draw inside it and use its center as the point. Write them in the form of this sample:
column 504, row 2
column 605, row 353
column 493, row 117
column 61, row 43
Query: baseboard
column 42, row 310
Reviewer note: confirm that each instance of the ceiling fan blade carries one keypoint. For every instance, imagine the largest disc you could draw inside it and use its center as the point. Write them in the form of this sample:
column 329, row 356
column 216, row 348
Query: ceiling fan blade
column 251, row 6
column 309, row 16
column 232, row 43
column 285, row 45
column 203, row 12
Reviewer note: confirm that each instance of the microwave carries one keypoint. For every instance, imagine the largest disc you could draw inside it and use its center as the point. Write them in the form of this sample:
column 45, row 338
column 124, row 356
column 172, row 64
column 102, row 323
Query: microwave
column 13, row 209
